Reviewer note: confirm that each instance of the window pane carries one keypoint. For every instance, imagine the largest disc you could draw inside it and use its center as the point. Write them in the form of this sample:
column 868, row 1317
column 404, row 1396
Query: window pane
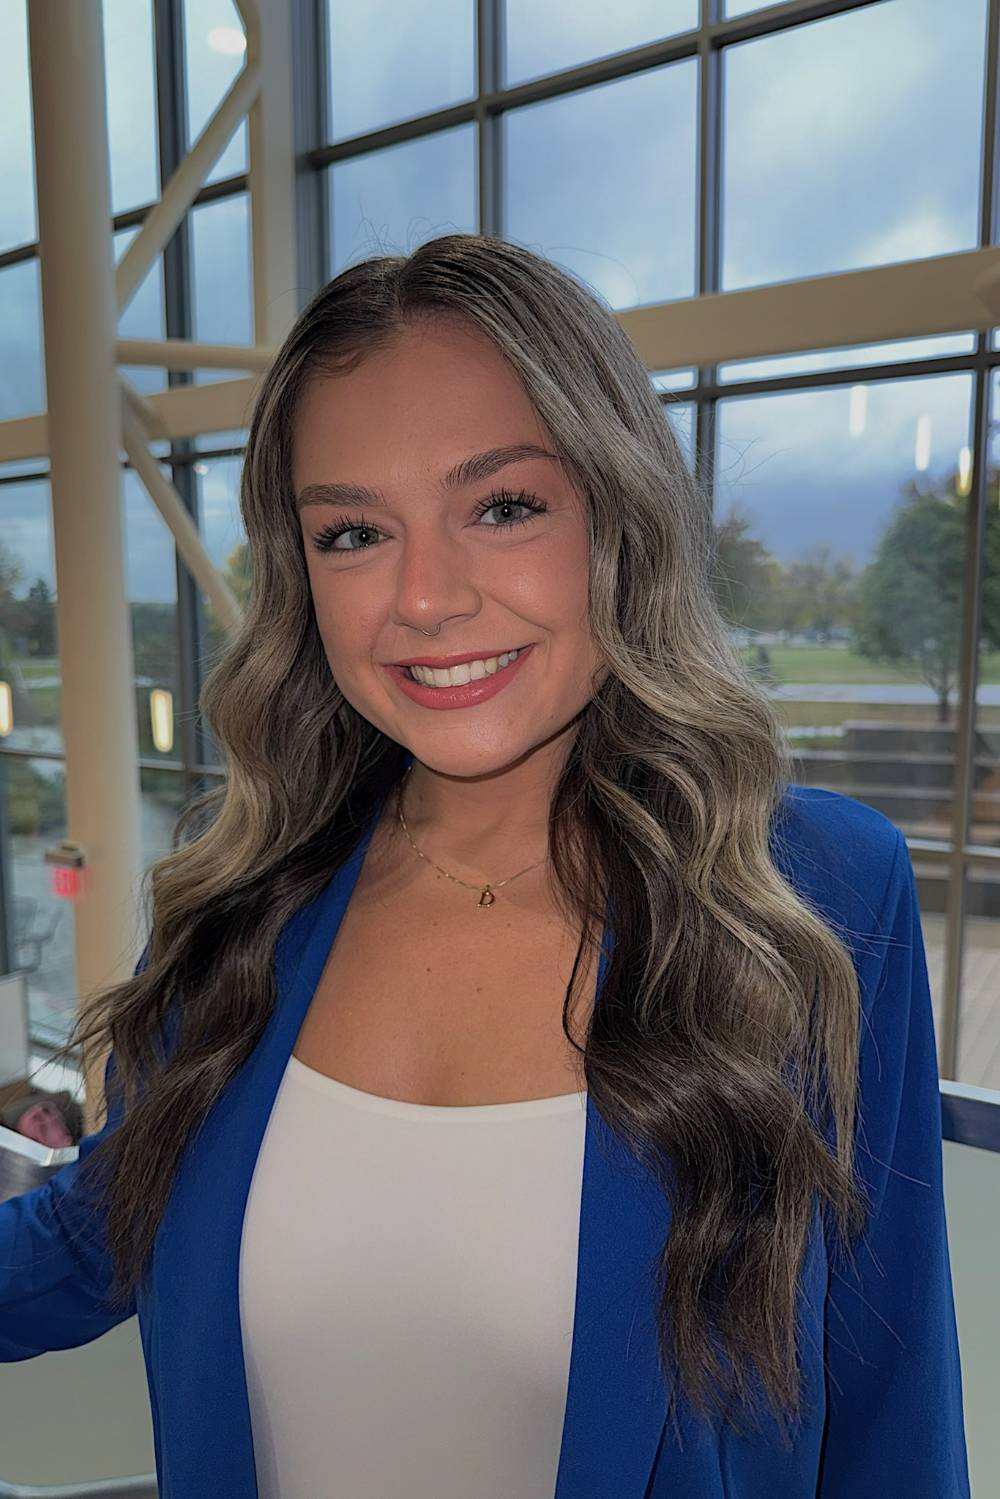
column 220, row 277
column 733, row 8
column 143, row 317
column 28, row 639
column 33, row 795
column 391, row 62
column 634, row 242
column 18, row 221
column 129, row 71
column 215, row 44
column 391, row 201
column 674, row 379
column 681, row 416
column 24, row 466
column 208, row 441
column 841, row 518
column 28, row 647
column 985, row 818
column 835, row 359
column 151, row 580
column 221, row 525
column 542, row 38
column 979, row 1003
column 218, row 482
column 33, row 792
column 22, row 379
column 832, row 157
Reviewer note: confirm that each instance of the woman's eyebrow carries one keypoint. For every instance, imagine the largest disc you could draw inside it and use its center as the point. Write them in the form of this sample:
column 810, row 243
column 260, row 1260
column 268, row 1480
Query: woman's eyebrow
column 469, row 471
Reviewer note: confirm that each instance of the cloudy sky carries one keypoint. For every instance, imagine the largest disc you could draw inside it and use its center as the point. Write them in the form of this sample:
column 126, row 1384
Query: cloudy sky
column 853, row 141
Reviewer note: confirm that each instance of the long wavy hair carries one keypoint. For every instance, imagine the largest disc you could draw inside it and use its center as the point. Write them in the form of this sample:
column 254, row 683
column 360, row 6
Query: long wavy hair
column 724, row 1048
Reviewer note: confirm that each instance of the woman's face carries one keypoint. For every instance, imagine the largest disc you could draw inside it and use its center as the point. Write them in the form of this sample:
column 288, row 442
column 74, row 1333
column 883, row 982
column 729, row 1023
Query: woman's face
column 424, row 550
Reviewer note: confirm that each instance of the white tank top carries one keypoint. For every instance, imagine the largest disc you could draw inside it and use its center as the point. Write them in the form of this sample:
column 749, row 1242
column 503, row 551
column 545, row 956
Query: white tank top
column 407, row 1287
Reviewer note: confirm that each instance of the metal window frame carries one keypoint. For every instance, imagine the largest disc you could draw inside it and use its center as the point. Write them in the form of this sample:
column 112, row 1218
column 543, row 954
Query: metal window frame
column 492, row 99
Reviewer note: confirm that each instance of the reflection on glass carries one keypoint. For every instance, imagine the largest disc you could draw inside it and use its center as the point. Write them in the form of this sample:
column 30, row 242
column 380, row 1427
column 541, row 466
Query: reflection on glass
column 389, row 202
column 979, row 1010
column 131, row 89
column 562, row 34
column 840, row 517
column 590, row 183
column 391, row 62
column 832, row 157
column 214, row 49
column 22, row 380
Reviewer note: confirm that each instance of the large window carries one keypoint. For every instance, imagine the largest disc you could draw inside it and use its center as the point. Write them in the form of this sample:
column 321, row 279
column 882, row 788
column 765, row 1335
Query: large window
column 661, row 150
column 834, row 157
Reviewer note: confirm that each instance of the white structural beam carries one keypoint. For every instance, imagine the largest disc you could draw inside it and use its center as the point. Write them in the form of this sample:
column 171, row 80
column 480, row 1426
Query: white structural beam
column 178, row 519
column 183, row 411
column 186, row 354
column 273, row 249
column 97, row 705
column 180, row 192
column 915, row 299
column 885, row 304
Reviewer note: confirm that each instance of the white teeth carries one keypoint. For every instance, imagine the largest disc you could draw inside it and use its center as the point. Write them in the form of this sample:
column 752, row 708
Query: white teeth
column 460, row 676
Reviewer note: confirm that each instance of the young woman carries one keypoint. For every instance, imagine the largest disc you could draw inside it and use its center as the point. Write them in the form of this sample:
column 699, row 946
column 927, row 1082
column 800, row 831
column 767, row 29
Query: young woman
column 527, row 1089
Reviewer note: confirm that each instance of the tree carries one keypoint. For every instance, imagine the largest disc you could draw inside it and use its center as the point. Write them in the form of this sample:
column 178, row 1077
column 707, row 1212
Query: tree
column 909, row 602
column 817, row 591
column 38, row 619
column 745, row 575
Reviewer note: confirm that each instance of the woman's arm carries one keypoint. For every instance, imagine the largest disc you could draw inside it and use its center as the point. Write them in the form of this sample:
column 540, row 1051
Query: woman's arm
column 55, row 1274
column 893, row 1381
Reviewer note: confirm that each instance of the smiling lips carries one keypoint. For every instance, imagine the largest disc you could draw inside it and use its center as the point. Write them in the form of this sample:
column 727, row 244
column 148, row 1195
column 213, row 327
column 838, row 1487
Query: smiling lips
column 473, row 670
column 462, row 694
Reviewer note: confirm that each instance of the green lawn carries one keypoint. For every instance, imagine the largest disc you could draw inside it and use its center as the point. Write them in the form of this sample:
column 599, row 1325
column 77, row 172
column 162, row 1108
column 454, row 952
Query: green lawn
column 831, row 663
column 791, row 664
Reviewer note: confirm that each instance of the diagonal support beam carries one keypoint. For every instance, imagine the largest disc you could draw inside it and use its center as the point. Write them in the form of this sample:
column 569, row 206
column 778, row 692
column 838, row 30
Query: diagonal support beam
column 175, row 513
column 180, row 192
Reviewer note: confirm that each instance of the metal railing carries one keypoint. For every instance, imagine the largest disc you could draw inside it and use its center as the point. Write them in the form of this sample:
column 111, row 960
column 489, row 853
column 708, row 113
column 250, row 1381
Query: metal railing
column 144, row 1487
column 969, row 1116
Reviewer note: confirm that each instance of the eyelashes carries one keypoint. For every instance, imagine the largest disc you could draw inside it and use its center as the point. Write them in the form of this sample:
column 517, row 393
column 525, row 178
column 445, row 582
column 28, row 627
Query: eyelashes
column 325, row 540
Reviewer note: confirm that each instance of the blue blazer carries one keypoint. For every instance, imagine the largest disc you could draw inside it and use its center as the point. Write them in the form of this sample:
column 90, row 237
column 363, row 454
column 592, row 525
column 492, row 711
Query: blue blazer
column 882, row 1381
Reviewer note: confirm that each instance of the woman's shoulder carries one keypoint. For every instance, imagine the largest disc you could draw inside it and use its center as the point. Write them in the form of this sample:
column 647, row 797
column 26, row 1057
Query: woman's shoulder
column 838, row 851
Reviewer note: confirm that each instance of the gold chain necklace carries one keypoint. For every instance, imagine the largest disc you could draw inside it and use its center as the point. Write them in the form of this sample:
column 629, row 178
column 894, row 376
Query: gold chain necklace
column 486, row 896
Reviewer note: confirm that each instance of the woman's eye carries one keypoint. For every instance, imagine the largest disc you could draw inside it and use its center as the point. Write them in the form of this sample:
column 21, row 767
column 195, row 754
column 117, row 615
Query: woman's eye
column 503, row 500
column 325, row 540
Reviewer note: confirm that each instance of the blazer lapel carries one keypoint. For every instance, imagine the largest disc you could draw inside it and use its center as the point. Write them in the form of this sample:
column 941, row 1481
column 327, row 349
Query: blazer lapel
column 616, row 1399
